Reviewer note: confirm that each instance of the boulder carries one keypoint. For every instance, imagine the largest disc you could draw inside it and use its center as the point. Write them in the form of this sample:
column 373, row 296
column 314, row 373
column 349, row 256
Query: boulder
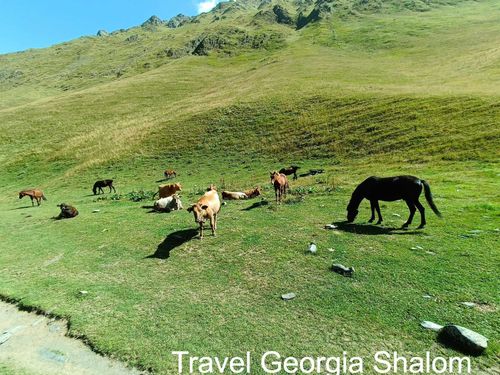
column 102, row 33
column 463, row 339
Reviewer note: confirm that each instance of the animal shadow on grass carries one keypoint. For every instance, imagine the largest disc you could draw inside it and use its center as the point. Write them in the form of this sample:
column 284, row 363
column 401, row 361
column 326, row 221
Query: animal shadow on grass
column 372, row 229
column 172, row 241
column 255, row 205
column 151, row 209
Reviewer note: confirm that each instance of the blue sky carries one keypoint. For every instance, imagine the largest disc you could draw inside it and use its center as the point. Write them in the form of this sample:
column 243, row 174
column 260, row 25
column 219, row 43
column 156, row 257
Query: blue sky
column 41, row 23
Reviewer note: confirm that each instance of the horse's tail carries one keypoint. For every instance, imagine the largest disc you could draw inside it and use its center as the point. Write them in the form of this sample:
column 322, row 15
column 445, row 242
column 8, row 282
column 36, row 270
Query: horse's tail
column 428, row 197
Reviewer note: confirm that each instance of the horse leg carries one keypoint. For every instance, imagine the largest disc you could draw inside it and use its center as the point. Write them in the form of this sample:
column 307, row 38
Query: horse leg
column 372, row 206
column 411, row 207
column 421, row 209
column 38, row 200
column 32, row 203
column 377, row 207
column 114, row 190
column 100, row 190
column 295, row 175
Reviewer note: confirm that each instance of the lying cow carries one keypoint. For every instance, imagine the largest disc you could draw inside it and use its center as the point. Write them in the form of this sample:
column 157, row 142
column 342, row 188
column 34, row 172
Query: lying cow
column 233, row 195
column 252, row 193
column 165, row 191
column 207, row 207
column 172, row 203
column 67, row 211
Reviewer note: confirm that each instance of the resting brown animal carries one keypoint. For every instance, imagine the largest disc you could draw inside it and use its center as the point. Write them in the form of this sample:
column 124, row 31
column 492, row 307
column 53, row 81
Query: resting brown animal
column 169, row 173
column 207, row 207
column 67, row 211
column 165, row 191
column 233, row 195
column 280, row 183
column 252, row 193
column 33, row 194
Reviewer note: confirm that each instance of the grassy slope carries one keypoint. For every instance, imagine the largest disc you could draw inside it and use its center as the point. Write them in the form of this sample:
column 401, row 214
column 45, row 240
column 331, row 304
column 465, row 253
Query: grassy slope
column 415, row 94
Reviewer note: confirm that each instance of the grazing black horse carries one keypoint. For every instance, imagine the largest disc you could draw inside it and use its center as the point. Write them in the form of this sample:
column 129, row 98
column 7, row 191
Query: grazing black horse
column 290, row 170
column 103, row 183
column 407, row 188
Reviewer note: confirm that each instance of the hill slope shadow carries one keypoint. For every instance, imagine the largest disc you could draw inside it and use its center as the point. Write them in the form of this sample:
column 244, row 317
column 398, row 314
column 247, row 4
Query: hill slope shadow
column 173, row 240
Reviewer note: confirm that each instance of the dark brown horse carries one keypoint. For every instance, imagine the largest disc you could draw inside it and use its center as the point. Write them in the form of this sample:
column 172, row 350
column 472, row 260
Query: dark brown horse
column 67, row 211
column 407, row 188
column 170, row 173
column 103, row 183
column 33, row 194
column 280, row 183
column 290, row 170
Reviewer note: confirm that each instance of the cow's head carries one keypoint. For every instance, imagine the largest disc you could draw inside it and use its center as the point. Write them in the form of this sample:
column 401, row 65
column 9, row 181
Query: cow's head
column 199, row 211
column 178, row 187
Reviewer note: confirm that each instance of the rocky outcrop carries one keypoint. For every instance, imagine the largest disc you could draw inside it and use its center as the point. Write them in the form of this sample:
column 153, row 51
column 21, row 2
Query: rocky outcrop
column 152, row 21
column 323, row 9
column 178, row 21
column 102, row 33
column 282, row 15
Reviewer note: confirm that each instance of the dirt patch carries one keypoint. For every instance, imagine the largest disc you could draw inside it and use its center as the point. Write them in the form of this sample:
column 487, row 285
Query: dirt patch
column 39, row 345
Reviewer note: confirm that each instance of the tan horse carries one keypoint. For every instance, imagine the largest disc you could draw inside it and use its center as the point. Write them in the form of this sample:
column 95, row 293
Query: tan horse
column 33, row 194
column 280, row 183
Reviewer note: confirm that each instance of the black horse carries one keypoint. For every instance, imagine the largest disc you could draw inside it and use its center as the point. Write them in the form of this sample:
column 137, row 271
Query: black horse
column 103, row 183
column 407, row 188
column 290, row 170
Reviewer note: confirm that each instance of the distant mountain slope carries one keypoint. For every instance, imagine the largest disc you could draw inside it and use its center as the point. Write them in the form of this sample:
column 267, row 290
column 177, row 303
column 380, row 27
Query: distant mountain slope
column 231, row 28
column 232, row 84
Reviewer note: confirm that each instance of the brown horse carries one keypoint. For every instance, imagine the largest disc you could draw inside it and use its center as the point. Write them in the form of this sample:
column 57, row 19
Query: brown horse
column 67, row 211
column 170, row 173
column 33, row 194
column 280, row 183
column 252, row 193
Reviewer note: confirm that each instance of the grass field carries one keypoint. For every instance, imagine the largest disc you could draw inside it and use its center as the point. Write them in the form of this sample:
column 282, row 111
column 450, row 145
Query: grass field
column 375, row 94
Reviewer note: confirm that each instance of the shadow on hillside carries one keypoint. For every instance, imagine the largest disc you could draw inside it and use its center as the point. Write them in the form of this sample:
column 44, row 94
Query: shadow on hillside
column 370, row 229
column 172, row 241
column 256, row 205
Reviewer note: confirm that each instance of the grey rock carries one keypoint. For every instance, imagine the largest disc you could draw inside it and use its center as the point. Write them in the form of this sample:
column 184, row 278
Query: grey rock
column 4, row 337
column 288, row 296
column 431, row 325
column 102, row 33
column 463, row 339
column 468, row 304
column 343, row 270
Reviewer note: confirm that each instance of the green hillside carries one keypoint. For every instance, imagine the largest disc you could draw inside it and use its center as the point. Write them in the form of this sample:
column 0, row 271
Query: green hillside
column 357, row 87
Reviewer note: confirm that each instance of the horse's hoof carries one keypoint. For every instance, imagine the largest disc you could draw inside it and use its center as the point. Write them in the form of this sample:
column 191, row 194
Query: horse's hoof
column 421, row 227
column 379, row 222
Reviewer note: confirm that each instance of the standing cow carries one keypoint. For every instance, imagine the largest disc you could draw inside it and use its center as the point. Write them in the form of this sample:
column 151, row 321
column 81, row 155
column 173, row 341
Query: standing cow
column 207, row 207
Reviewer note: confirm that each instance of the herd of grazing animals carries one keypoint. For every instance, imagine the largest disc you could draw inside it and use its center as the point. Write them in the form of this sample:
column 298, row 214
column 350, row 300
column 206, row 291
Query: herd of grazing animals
column 374, row 189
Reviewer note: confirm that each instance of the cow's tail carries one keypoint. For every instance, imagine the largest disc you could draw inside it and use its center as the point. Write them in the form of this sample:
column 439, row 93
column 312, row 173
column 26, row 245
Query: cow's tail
column 428, row 197
column 43, row 197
